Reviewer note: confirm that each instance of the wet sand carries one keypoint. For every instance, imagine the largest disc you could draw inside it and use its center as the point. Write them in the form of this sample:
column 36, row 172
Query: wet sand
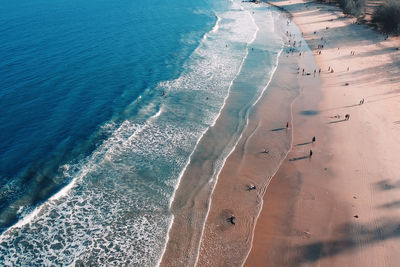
column 342, row 206
column 191, row 202
column 258, row 155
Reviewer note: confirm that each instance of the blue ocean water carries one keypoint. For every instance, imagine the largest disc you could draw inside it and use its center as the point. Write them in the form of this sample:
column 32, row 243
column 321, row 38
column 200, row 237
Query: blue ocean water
column 102, row 103
column 67, row 68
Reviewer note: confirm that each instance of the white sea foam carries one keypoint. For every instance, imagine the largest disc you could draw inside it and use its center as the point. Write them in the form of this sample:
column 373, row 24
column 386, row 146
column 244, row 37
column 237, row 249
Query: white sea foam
column 180, row 82
column 271, row 75
column 224, row 158
column 122, row 191
column 216, row 26
column 232, row 27
column 115, row 209
column 260, row 94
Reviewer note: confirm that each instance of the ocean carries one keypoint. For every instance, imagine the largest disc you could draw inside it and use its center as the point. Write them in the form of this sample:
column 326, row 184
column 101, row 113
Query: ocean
column 102, row 105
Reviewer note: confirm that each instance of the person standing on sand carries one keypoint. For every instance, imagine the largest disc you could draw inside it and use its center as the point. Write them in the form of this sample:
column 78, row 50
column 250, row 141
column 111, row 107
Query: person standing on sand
column 313, row 139
column 310, row 154
column 231, row 219
column 287, row 125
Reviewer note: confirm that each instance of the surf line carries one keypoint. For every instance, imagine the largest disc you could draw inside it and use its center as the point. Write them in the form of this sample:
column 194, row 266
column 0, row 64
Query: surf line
column 215, row 28
column 171, row 200
column 82, row 173
column 217, row 173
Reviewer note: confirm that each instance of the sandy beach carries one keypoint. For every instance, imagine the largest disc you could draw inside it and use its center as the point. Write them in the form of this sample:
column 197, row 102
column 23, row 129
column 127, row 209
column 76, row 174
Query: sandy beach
column 262, row 148
column 341, row 206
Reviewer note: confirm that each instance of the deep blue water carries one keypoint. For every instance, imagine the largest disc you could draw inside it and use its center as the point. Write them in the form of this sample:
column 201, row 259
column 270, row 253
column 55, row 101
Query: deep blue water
column 67, row 67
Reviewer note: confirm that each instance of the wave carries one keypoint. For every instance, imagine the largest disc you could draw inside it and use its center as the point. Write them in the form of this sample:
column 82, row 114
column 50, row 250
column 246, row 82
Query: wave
column 229, row 145
column 123, row 190
column 198, row 50
column 218, row 170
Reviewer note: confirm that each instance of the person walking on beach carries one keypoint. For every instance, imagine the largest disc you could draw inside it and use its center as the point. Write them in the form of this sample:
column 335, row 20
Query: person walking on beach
column 251, row 187
column 313, row 139
column 310, row 154
column 231, row 219
column 287, row 125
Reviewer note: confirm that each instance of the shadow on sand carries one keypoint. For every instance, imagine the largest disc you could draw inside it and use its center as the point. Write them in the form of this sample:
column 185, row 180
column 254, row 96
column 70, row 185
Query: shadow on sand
column 299, row 158
column 390, row 205
column 336, row 121
column 350, row 106
column 278, row 129
column 354, row 236
column 386, row 184
column 303, row 144
column 309, row 112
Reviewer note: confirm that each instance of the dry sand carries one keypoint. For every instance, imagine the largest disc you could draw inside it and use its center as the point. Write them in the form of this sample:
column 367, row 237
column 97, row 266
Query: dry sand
column 342, row 206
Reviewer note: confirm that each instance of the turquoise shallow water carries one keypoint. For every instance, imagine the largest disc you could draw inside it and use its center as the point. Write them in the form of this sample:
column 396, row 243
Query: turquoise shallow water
column 91, row 149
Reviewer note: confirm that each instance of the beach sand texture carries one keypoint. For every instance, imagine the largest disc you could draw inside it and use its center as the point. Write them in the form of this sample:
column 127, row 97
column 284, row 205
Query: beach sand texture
column 256, row 158
column 342, row 207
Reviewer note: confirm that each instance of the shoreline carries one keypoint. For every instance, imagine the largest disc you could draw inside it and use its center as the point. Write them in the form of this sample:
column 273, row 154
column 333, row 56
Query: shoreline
column 249, row 165
column 192, row 196
column 338, row 208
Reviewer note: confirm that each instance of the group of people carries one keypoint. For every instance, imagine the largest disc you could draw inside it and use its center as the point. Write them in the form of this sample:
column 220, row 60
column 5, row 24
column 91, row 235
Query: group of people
column 251, row 187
